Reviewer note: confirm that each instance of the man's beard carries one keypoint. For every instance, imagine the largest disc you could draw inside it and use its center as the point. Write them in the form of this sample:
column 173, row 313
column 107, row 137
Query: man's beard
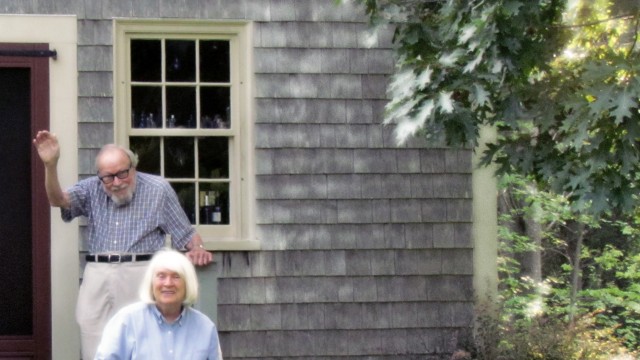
column 121, row 200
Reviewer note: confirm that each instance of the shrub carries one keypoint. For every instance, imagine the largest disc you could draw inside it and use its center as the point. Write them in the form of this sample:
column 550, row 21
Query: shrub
column 543, row 338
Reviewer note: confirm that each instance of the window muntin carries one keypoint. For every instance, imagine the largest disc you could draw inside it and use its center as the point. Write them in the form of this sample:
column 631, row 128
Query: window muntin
column 181, row 90
column 177, row 98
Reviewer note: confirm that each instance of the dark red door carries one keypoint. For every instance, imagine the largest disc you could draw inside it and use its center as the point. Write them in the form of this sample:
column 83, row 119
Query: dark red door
column 25, row 294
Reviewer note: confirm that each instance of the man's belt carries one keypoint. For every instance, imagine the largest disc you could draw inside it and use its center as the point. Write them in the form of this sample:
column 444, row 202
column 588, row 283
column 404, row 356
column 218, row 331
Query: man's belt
column 118, row 258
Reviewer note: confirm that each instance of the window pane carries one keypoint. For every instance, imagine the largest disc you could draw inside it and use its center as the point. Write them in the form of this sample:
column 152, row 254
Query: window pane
column 148, row 150
column 181, row 60
column 178, row 157
column 186, row 195
column 145, row 60
column 214, row 203
column 180, row 83
column 215, row 103
column 213, row 158
column 181, row 105
column 146, row 106
column 214, row 61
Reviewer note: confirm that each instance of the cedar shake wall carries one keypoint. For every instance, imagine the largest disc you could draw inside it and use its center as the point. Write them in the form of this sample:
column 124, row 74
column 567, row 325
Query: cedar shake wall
column 366, row 246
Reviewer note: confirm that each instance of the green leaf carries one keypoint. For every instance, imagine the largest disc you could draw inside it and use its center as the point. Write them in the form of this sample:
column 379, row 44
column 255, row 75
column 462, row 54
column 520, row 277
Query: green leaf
column 511, row 8
column 480, row 95
column 449, row 59
column 445, row 103
column 602, row 103
column 626, row 101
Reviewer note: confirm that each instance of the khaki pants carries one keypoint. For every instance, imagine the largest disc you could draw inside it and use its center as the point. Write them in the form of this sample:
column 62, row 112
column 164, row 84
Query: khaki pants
column 105, row 289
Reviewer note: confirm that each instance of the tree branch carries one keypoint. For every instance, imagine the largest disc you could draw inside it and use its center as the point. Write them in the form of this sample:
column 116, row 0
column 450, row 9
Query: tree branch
column 635, row 38
column 598, row 22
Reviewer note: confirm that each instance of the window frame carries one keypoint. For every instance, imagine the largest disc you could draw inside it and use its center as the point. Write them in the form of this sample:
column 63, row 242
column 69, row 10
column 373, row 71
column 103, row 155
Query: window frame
column 239, row 234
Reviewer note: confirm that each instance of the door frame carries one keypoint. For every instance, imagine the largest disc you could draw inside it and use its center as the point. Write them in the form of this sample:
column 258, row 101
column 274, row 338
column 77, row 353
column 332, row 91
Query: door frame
column 38, row 345
column 61, row 33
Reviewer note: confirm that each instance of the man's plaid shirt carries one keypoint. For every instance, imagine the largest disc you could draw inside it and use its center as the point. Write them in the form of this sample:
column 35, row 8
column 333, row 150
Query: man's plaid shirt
column 138, row 227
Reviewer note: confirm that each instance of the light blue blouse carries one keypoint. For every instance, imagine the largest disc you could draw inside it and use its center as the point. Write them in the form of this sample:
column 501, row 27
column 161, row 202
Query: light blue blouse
column 139, row 331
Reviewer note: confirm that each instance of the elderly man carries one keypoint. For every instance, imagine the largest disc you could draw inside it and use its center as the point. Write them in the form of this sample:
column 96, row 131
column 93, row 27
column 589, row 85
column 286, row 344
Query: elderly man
column 129, row 213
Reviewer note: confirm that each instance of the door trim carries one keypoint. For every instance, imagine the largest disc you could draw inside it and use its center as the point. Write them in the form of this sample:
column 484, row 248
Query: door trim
column 61, row 33
column 39, row 344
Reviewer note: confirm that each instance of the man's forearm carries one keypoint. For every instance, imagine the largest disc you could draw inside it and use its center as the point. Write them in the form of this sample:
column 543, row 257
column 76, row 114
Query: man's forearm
column 55, row 194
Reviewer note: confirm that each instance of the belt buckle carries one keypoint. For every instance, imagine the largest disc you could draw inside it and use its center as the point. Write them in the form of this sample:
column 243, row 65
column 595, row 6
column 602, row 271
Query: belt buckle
column 115, row 256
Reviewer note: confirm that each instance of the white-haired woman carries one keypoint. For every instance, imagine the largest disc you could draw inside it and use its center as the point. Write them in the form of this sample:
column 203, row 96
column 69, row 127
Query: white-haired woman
column 164, row 325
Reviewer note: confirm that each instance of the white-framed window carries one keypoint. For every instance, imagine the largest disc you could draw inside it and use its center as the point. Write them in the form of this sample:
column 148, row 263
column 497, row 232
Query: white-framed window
column 183, row 104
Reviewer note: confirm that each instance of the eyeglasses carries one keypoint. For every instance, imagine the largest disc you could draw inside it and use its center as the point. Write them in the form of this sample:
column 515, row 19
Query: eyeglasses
column 108, row 179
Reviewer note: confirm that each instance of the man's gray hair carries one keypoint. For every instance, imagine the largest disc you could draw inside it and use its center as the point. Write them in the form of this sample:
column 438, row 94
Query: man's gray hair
column 133, row 157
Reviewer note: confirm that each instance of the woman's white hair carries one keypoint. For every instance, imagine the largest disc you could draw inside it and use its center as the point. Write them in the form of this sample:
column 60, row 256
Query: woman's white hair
column 174, row 261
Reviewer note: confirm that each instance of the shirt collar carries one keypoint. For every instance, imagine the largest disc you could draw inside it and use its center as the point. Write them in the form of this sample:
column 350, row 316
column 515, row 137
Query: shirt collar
column 162, row 320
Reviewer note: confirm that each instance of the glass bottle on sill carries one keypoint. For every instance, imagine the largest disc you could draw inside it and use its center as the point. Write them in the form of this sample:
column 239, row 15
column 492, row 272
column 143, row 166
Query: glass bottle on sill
column 216, row 216
column 206, row 211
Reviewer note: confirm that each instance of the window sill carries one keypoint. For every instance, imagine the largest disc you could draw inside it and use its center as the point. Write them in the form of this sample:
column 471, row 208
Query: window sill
column 211, row 244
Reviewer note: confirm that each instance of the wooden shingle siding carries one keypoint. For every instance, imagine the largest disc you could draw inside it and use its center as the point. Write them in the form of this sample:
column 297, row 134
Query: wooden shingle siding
column 366, row 247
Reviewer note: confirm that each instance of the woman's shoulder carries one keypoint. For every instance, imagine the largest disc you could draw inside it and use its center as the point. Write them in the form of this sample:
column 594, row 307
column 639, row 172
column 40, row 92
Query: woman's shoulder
column 132, row 310
column 200, row 317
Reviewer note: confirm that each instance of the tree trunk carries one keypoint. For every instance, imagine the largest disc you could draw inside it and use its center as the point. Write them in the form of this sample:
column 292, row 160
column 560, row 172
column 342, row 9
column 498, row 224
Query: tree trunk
column 576, row 271
column 532, row 260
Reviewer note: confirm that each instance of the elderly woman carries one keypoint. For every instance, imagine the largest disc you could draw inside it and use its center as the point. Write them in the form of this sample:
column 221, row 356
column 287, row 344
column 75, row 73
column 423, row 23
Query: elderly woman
column 163, row 325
